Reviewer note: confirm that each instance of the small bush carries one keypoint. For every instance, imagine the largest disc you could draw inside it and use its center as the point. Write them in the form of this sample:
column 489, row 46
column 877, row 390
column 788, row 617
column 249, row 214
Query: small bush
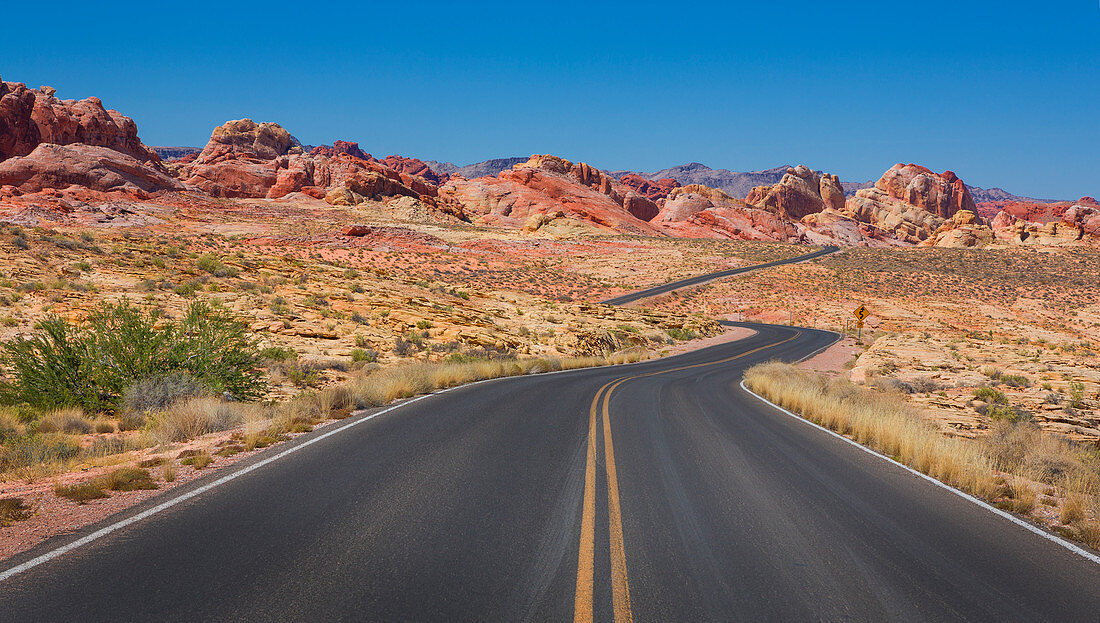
column 103, row 426
column 127, row 479
column 199, row 460
column 683, row 335
column 81, row 493
column 990, row 395
column 13, row 510
column 1073, row 510
column 10, row 426
column 169, row 471
column 278, row 353
column 359, row 354
column 213, row 265
column 70, row 420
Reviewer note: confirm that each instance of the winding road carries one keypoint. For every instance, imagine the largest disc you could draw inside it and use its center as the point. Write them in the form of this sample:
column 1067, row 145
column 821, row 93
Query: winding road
column 657, row 491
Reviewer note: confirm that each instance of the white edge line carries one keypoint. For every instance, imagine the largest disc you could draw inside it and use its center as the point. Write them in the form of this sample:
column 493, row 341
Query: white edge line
column 966, row 496
column 102, row 532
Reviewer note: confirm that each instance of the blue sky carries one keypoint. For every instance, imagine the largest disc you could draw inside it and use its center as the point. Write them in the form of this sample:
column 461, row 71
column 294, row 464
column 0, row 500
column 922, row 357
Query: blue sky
column 1005, row 94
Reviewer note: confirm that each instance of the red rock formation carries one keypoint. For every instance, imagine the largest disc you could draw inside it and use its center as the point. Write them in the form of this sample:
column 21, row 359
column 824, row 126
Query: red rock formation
column 96, row 168
column 412, row 166
column 1032, row 211
column 650, row 189
column 547, row 185
column 357, row 230
column 910, row 202
column 341, row 147
column 797, row 194
column 942, row 195
column 30, row 117
column 640, row 206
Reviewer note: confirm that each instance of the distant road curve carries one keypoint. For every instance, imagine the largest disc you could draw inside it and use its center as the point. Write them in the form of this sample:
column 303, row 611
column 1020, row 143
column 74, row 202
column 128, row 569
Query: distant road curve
column 694, row 281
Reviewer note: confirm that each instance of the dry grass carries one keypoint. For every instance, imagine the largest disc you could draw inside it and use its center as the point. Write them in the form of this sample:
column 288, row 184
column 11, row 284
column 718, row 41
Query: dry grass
column 13, row 510
column 1073, row 509
column 196, row 417
column 885, row 422
column 68, row 420
column 121, row 479
column 198, row 460
column 81, row 493
column 127, row 479
column 878, row 420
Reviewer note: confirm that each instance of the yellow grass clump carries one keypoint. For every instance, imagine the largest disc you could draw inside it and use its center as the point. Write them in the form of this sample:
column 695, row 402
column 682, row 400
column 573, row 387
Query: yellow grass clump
column 878, row 420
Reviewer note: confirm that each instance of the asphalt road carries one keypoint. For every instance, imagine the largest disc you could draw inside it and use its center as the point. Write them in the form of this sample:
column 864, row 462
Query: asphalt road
column 694, row 281
column 658, row 491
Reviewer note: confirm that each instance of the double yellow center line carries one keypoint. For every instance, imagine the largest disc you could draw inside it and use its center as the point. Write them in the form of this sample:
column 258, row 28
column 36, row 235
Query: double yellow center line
column 583, row 601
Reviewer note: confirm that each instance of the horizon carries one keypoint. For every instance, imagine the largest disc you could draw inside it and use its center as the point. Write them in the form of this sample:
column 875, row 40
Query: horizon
column 617, row 87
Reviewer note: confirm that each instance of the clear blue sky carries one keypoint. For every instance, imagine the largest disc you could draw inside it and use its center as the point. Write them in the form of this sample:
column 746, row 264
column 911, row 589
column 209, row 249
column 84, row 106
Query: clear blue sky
column 1005, row 94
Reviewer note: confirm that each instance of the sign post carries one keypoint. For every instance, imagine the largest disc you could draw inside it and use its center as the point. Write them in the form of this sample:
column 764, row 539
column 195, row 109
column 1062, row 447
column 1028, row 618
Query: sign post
column 861, row 314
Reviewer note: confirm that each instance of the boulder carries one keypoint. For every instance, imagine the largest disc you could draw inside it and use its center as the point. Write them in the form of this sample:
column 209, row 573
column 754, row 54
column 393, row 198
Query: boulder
column 96, row 168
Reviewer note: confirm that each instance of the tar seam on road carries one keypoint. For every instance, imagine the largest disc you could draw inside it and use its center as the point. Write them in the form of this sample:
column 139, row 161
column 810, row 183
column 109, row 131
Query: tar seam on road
column 583, row 600
column 966, row 496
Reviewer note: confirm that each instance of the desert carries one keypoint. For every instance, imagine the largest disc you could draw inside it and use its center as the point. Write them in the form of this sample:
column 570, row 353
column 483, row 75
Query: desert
column 179, row 321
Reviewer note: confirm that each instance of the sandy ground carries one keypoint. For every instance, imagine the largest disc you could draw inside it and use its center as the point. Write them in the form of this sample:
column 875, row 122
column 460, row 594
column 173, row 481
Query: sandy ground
column 832, row 360
column 731, row 334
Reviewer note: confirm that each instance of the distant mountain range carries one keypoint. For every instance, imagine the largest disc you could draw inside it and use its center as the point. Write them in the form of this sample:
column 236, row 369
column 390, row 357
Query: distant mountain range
column 477, row 169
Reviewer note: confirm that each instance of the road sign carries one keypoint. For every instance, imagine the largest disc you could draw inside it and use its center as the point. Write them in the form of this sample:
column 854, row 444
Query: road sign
column 861, row 312
column 859, row 324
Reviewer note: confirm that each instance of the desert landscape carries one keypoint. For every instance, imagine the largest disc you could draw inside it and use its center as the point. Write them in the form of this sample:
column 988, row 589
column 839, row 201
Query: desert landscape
column 331, row 280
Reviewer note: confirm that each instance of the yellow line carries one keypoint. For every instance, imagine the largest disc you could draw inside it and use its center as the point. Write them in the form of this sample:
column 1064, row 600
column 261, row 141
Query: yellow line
column 583, row 606
column 620, row 586
column 583, row 599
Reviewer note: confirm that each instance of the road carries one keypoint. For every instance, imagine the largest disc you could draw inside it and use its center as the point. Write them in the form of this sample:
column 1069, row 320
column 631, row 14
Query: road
column 657, row 491
column 708, row 277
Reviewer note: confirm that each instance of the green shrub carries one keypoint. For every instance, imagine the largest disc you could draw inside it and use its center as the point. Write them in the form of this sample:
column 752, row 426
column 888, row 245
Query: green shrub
column 360, row 354
column 211, row 264
column 990, row 395
column 684, row 335
column 91, row 365
column 278, row 353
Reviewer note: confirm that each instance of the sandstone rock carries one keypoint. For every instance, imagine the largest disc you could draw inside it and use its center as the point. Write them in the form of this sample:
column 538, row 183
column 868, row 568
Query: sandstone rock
column 653, row 190
column 796, row 195
column 942, row 195
column 30, row 117
column 265, row 141
column 356, row 230
column 412, row 167
column 546, row 184
column 96, row 168
column 640, row 206
column 341, row 147
column 964, row 229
